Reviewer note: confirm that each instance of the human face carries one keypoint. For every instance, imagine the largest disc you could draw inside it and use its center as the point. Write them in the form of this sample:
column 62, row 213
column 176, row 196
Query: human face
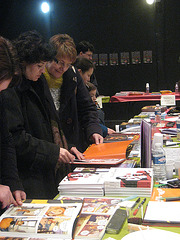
column 4, row 84
column 34, row 71
column 58, row 67
column 87, row 55
column 93, row 95
column 86, row 75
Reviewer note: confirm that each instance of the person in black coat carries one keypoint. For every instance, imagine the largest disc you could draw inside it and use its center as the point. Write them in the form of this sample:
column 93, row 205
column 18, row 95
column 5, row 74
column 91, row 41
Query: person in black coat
column 41, row 147
column 76, row 110
column 9, row 179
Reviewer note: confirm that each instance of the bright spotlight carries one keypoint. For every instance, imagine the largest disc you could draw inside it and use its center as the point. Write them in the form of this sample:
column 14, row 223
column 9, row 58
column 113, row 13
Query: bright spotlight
column 45, row 7
column 150, row 1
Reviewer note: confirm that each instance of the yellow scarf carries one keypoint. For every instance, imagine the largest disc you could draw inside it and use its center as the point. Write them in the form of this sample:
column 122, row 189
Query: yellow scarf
column 54, row 83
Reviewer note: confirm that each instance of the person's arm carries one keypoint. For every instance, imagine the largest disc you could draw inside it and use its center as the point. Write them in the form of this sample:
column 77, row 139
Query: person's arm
column 104, row 129
column 9, row 172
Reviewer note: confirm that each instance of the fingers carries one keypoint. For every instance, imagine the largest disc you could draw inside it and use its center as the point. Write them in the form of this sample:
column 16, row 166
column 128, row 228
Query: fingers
column 78, row 154
column 6, row 197
column 110, row 131
column 97, row 138
column 19, row 196
column 65, row 156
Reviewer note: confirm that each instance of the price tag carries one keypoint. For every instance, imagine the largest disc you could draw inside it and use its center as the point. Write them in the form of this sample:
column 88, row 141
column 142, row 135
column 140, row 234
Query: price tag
column 168, row 100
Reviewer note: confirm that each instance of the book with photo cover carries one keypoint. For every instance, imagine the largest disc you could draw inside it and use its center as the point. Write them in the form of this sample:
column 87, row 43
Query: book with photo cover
column 43, row 221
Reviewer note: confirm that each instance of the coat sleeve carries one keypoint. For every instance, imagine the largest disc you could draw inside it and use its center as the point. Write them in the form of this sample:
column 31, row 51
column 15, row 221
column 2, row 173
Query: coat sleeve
column 87, row 111
column 32, row 153
column 9, row 172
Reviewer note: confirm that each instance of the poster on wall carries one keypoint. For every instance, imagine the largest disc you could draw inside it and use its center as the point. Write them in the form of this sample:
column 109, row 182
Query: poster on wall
column 113, row 59
column 103, row 59
column 136, row 57
column 95, row 59
column 125, row 58
column 147, row 56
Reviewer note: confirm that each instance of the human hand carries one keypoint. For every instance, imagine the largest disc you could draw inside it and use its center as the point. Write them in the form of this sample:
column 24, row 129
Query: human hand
column 65, row 156
column 78, row 154
column 19, row 196
column 110, row 131
column 6, row 197
column 96, row 138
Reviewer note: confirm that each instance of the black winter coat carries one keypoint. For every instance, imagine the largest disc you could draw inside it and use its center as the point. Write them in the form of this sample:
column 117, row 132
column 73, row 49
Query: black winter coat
column 8, row 166
column 29, row 123
column 77, row 111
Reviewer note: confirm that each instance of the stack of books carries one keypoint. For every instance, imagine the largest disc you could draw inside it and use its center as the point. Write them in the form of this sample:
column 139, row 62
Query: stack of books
column 107, row 182
column 129, row 181
column 84, row 182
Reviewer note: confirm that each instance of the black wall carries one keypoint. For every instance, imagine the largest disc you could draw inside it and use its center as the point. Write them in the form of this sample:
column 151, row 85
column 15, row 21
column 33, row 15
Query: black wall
column 112, row 26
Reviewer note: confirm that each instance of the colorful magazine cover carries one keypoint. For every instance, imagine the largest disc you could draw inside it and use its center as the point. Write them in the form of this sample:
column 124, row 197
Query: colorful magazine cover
column 40, row 220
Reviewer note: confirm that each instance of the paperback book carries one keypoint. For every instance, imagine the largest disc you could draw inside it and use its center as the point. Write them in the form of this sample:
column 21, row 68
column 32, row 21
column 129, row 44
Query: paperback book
column 80, row 183
column 129, row 181
column 118, row 137
column 110, row 150
column 163, row 208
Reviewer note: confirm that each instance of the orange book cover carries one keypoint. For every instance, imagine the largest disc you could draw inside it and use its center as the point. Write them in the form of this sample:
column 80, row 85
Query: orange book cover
column 159, row 193
column 107, row 150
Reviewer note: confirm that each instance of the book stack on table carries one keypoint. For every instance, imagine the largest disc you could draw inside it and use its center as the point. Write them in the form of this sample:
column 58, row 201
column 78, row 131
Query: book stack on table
column 108, row 181
column 129, row 181
column 84, row 183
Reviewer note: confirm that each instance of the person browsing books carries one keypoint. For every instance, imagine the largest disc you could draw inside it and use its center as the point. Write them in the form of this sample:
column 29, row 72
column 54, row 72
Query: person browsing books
column 85, row 68
column 92, row 91
column 76, row 110
column 11, row 189
column 42, row 152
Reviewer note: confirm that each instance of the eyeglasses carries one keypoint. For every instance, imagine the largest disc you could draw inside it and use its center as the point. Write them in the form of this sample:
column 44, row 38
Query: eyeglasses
column 62, row 63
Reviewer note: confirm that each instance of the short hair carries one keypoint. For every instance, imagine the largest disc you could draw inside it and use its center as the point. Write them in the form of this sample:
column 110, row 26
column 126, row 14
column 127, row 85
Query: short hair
column 65, row 46
column 32, row 48
column 84, row 64
column 90, row 86
column 9, row 64
column 84, row 46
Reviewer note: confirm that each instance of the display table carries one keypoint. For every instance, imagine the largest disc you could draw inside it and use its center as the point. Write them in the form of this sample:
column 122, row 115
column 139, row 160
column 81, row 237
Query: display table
column 143, row 97
column 122, row 108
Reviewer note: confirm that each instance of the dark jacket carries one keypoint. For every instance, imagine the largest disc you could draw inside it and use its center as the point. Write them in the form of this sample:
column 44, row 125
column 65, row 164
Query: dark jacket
column 101, row 117
column 94, row 81
column 77, row 111
column 8, row 166
column 30, row 125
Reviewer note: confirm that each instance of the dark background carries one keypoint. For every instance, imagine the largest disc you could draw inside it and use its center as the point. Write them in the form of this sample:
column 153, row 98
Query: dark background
column 111, row 26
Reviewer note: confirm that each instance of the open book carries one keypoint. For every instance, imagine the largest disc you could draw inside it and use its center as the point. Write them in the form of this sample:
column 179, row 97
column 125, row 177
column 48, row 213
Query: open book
column 43, row 221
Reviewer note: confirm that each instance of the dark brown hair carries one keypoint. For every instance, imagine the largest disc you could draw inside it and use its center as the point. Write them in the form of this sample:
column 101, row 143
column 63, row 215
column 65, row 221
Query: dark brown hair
column 90, row 86
column 9, row 64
